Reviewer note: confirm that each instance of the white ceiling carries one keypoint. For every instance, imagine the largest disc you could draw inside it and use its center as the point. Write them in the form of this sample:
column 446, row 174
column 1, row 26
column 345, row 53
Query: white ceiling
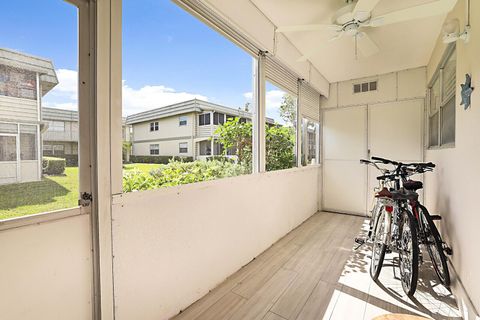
column 403, row 45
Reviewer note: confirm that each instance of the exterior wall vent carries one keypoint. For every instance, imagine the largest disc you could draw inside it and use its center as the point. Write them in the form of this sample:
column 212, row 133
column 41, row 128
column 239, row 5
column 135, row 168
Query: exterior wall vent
column 365, row 87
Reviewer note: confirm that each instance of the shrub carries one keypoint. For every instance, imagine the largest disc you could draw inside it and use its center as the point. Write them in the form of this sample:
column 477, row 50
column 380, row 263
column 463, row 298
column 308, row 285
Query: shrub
column 158, row 159
column 53, row 166
column 178, row 172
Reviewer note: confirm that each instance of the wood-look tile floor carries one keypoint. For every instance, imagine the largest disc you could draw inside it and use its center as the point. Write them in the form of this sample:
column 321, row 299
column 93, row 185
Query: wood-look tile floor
column 314, row 273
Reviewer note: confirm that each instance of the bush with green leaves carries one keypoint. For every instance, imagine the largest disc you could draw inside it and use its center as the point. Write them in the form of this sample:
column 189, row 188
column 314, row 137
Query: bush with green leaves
column 178, row 172
column 53, row 166
column 279, row 143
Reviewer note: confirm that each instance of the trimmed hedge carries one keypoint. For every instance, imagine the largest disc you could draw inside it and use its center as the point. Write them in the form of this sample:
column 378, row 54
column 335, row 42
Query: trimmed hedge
column 158, row 159
column 53, row 166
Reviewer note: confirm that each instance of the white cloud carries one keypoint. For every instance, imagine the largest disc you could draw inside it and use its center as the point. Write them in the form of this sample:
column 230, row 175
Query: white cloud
column 67, row 83
column 65, row 95
column 152, row 96
column 273, row 100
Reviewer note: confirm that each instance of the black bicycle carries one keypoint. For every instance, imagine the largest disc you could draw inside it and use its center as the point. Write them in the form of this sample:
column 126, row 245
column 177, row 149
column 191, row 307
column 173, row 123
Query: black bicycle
column 427, row 234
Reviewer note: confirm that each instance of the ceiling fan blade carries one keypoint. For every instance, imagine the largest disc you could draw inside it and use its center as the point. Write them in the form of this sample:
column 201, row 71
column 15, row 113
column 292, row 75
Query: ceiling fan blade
column 366, row 45
column 309, row 27
column 311, row 53
column 364, row 7
column 337, row 36
column 422, row 11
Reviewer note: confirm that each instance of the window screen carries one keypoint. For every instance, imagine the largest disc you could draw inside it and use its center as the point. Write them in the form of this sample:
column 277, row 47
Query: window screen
column 448, row 122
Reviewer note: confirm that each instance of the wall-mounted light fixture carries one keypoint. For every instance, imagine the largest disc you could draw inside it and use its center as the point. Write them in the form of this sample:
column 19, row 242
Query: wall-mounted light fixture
column 451, row 29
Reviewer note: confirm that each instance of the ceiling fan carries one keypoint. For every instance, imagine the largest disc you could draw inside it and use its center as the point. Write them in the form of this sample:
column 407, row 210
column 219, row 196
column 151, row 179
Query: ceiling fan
column 355, row 18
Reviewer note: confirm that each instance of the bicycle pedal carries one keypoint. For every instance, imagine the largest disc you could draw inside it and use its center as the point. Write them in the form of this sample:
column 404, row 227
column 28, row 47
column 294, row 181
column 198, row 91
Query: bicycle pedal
column 360, row 241
column 436, row 217
column 447, row 250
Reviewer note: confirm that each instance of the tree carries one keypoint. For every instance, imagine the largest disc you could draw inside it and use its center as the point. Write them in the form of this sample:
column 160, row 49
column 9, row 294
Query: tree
column 280, row 142
column 288, row 110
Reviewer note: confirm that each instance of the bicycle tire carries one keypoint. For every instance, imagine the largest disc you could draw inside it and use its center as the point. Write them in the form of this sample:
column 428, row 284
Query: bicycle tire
column 408, row 244
column 378, row 256
column 439, row 262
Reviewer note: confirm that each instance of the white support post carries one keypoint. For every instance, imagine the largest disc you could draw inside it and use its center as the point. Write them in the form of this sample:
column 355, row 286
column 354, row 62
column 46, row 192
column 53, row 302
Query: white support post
column 258, row 152
column 298, row 133
column 107, row 151
column 39, row 118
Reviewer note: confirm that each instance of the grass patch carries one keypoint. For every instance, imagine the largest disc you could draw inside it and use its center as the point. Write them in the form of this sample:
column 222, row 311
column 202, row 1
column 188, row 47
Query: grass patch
column 49, row 194
column 143, row 167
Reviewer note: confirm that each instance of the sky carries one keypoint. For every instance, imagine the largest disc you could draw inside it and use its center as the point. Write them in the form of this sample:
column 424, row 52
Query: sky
column 168, row 55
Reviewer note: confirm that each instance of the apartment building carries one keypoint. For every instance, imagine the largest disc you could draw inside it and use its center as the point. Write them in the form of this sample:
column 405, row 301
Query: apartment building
column 60, row 138
column 185, row 129
column 24, row 80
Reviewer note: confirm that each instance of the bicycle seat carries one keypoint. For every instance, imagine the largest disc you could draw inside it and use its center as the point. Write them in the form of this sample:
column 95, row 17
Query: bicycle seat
column 401, row 195
column 413, row 185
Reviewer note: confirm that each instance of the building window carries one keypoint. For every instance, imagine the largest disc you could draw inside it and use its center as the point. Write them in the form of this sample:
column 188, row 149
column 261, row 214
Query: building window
column 205, row 148
column 8, row 148
column 183, row 147
column 154, row 149
column 57, row 126
column 204, row 119
column 28, row 142
column 441, row 104
column 58, row 149
column 182, row 121
column 218, row 118
column 17, row 83
column 154, row 126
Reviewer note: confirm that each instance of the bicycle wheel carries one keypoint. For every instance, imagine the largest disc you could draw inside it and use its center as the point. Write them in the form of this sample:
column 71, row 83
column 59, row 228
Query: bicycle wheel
column 378, row 245
column 408, row 253
column 434, row 245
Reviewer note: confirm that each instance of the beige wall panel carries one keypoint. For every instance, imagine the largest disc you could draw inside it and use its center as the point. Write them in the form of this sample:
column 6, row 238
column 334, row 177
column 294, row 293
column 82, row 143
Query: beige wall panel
column 395, row 130
column 344, row 186
column 285, row 51
column 386, row 91
column 452, row 190
column 344, row 133
column 412, row 83
column 331, row 101
column 173, row 245
column 168, row 128
column 29, row 170
column 8, row 172
column 47, row 270
column 246, row 17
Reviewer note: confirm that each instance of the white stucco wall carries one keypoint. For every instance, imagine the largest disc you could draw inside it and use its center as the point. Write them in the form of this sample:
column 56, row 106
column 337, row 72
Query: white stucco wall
column 452, row 190
column 170, row 245
column 46, row 270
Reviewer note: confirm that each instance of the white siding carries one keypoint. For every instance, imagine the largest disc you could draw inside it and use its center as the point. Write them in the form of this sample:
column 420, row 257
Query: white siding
column 167, row 148
column 18, row 109
column 168, row 128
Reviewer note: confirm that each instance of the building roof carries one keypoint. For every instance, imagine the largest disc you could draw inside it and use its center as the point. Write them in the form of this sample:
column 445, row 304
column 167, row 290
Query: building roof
column 194, row 105
column 54, row 114
column 59, row 114
column 23, row 61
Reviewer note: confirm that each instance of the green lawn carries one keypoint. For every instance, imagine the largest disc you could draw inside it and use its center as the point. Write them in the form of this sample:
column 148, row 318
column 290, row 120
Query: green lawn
column 52, row 193
column 144, row 167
